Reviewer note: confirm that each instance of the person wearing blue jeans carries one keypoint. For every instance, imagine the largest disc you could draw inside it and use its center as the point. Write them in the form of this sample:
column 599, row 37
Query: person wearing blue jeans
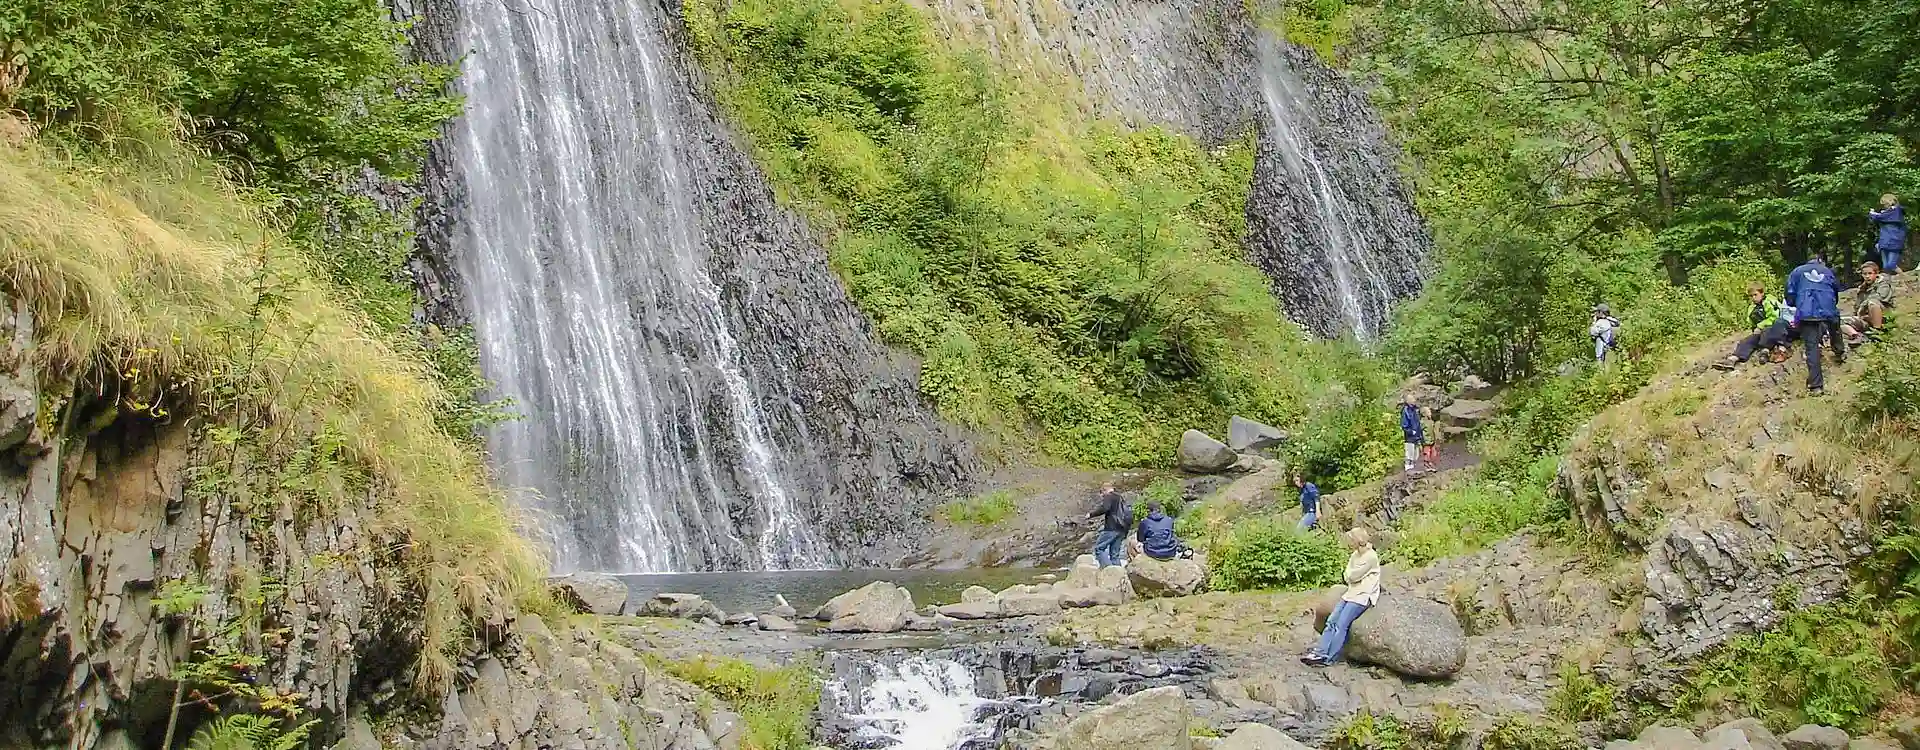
column 1363, row 591
column 1891, row 222
column 1116, row 514
column 1309, row 501
column 1813, row 291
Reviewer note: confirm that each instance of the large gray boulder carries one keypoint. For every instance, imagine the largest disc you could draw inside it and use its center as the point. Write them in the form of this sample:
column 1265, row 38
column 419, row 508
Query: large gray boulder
column 1109, row 588
column 1153, row 719
column 592, row 593
column 773, row 623
column 1259, row 737
column 681, row 606
column 1152, row 578
column 1742, row 734
column 1201, row 454
column 1412, row 636
column 1468, row 413
column 1248, row 435
column 1021, row 604
column 1816, row 737
column 1473, row 387
column 878, row 607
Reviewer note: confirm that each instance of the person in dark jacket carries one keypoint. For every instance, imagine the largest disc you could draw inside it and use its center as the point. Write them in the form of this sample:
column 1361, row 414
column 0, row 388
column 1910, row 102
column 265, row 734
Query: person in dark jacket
column 1891, row 220
column 1309, row 501
column 1156, row 535
column 1412, row 433
column 1116, row 514
column 1814, row 294
column 1770, row 329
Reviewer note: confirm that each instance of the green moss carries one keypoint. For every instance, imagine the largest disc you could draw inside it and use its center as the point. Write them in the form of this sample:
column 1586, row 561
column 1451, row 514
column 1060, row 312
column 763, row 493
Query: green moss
column 986, row 510
column 776, row 704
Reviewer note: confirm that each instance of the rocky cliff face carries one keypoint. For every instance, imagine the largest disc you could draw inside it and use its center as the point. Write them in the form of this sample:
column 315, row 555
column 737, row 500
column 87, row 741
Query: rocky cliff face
column 718, row 402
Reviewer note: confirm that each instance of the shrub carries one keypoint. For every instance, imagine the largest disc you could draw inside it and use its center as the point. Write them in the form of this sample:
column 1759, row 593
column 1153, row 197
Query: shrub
column 776, row 704
column 1823, row 665
column 1580, row 697
column 986, row 510
column 1168, row 492
column 1366, row 731
column 1527, row 733
column 1268, row 554
column 1889, row 388
column 1467, row 518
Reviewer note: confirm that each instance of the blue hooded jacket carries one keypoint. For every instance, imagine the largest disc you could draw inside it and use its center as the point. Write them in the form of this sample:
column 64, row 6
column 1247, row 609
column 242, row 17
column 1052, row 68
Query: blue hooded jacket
column 1310, row 498
column 1410, row 424
column 1893, row 228
column 1156, row 536
column 1814, row 292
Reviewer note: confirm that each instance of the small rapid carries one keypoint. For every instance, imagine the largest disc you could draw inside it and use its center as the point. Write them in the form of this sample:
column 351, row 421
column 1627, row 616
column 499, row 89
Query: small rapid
column 914, row 703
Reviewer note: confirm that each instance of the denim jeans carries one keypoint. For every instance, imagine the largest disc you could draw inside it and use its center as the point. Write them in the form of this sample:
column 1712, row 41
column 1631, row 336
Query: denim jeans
column 1811, row 331
column 1889, row 257
column 1307, row 521
column 1333, row 640
column 1110, row 548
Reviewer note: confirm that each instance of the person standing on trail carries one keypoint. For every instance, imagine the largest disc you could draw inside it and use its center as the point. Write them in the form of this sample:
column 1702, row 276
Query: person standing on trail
column 1429, row 451
column 1309, row 501
column 1891, row 220
column 1412, row 433
column 1603, row 331
column 1362, row 577
column 1116, row 516
column 1814, row 294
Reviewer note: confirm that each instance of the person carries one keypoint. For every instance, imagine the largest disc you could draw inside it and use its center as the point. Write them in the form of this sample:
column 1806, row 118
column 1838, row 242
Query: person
column 1116, row 516
column 1603, row 331
column 1363, row 591
column 1411, row 432
column 1891, row 220
column 1813, row 292
column 1429, row 454
column 1156, row 535
column 1309, row 501
column 1770, row 328
column 1871, row 301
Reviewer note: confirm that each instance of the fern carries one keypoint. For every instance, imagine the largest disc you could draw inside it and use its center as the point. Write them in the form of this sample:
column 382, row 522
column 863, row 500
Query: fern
column 249, row 732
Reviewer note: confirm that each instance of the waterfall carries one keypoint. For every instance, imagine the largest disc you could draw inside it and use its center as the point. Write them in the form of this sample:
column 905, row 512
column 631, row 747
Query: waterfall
column 911, row 703
column 1328, row 218
column 585, row 262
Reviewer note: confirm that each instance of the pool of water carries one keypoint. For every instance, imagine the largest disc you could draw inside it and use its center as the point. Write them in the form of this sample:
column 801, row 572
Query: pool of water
column 805, row 589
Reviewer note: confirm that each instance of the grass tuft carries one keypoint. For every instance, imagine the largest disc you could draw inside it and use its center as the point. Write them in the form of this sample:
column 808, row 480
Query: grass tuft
column 776, row 704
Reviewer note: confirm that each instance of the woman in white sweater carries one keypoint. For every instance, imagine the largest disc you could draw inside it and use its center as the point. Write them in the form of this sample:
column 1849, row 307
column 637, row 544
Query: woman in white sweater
column 1363, row 590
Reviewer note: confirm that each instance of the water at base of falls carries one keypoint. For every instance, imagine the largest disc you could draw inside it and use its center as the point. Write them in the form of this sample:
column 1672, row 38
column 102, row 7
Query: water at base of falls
column 915, row 703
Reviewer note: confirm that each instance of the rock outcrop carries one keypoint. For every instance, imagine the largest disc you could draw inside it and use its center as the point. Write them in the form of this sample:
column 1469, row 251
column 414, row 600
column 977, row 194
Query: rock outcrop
column 681, row 606
column 1468, row 413
column 1259, row 737
column 1202, row 454
column 1156, row 578
column 592, row 593
column 1414, row 637
column 1248, row 435
column 1154, row 719
column 1816, row 737
column 878, row 607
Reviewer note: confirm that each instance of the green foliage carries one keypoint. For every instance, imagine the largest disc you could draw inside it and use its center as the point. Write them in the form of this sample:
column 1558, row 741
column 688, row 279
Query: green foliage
column 1580, row 696
column 1081, row 281
column 1350, row 437
column 250, row 732
column 1527, row 733
column 1169, row 493
column 986, row 510
column 1467, row 518
column 1889, row 388
column 776, row 704
column 1824, row 665
column 1271, row 554
column 1366, row 731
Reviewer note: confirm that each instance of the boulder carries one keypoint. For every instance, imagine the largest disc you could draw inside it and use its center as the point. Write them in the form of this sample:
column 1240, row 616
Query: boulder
column 741, row 618
column 773, row 623
column 972, row 610
column 1204, row 455
column 1667, row 738
column 592, row 593
column 1412, row 636
column 922, row 624
column 1247, row 435
column 1906, row 732
column 1081, row 576
column 976, row 594
column 878, row 607
column 1742, row 734
column 1816, row 737
column 1014, row 604
column 681, row 606
column 782, row 608
column 1152, row 578
column 1873, row 743
column 1468, row 413
column 1474, row 388
column 1259, row 737
column 1109, row 587
column 1154, row 719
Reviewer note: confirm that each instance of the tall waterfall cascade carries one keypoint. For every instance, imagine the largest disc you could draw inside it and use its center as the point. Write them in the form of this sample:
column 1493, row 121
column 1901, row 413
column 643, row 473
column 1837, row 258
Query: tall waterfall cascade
column 696, row 391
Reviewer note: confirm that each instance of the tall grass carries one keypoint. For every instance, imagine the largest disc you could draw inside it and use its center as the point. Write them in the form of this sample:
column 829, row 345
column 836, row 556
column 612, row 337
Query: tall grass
column 151, row 272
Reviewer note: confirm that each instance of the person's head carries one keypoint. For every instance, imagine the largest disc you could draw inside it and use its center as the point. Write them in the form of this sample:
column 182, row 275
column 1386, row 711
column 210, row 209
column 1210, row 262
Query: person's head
column 1357, row 538
column 1299, row 481
column 1106, row 488
column 1153, row 509
column 1889, row 200
column 1602, row 310
column 1409, row 400
column 1756, row 292
column 1869, row 270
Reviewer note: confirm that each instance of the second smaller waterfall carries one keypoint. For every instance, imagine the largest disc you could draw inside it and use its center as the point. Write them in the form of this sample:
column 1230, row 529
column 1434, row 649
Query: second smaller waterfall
column 912, row 703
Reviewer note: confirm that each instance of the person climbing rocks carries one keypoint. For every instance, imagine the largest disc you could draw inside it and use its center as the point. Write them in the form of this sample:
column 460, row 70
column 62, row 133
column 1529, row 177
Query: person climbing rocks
column 1412, row 433
column 1309, row 501
column 1813, row 292
column 1603, row 331
column 1891, row 220
column 1362, row 577
column 1116, row 516
column 1157, row 539
column 1871, row 301
column 1770, row 329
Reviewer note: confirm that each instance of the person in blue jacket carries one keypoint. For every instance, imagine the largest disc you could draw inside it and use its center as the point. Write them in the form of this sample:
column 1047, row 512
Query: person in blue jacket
column 1814, row 294
column 1411, row 432
column 1156, row 535
column 1891, row 220
column 1309, row 501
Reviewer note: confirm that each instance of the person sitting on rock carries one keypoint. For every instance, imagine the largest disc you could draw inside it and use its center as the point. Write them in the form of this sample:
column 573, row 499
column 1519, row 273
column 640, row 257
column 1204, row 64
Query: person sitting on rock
column 1770, row 329
column 1412, row 433
column 1116, row 516
column 1363, row 591
column 1157, row 539
column 1871, row 301
column 1309, row 501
